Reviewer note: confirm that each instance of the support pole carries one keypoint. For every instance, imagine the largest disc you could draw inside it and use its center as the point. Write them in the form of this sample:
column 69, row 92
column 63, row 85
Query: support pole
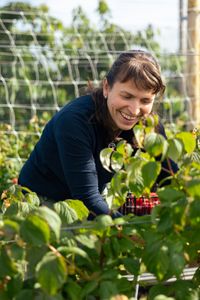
column 193, row 61
column 181, row 19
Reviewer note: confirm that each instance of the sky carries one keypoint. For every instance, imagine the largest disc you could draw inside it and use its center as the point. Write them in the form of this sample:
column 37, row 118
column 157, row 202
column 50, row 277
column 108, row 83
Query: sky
column 130, row 14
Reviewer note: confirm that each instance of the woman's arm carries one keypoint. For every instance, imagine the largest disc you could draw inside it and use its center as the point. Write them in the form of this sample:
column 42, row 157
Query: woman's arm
column 75, row 140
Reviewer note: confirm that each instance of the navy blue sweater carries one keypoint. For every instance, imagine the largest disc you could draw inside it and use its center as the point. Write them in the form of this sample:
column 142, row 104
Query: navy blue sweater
column 65, row 162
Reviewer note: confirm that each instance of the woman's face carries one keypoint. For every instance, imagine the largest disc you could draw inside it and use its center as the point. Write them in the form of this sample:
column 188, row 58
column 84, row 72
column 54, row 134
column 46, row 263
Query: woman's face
column 127, row 104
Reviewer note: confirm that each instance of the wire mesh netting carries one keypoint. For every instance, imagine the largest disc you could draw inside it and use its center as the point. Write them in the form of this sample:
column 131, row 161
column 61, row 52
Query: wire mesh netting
column 43, row 65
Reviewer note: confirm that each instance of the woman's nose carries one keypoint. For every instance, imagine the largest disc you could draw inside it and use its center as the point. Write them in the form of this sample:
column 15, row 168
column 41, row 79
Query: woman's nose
column 135, row 109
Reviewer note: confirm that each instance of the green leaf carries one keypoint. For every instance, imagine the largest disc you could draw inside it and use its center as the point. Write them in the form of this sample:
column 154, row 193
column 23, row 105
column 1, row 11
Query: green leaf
column 159, row 291
column 188, row 141
column 132, row 265
column 139, row 134
column 12, row 210
column 196, row 277
column 115, row 245
column 124, row 287
column 117, row 161
column 107, row 289
column 124, row 148
column 156, row 255
column 170, row 194
column 4, row 295
column 107, row 250
column 150, row 172
column 194, row 212
column 88, row 241
column 136, row 186
column 74, row 250
column 195, row 156
column 37, row 294
column 32, row 198
column 104, row 221
column 34, row 254
column 135, row 179
column 163, row 297
column 73, row 290
column 25, row 294
column 67, row 214
column 8, row 265
column 80, row 209
column 103, row 7
column 17, row 252
column 153, row 143
column 25, row 208
column 14, row 285
column 185, row 289
column 52, row 219
column 35, row 230
column 51, row 273
column 164, row 150
column 152, row 121
column 118, row 184
column 109, row 274
column 128, row 150
column 193, row 187
column 105, row 157
column 126, row 245
column 88, row 288
column 165, row 223
column 10, row 228
column 175, row 149
column 177, row 263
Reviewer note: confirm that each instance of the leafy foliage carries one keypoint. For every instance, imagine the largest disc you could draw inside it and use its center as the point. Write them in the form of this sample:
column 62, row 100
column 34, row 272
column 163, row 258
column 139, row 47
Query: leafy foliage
column 31, row 40
column 15, row 148
column 58, row 254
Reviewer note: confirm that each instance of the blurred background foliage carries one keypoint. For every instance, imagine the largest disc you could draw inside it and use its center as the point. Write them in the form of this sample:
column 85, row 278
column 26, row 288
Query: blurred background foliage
column 44, row 64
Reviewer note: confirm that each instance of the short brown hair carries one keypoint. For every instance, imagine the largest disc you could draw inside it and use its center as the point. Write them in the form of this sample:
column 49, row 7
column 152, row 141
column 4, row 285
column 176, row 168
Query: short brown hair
column 139, row 66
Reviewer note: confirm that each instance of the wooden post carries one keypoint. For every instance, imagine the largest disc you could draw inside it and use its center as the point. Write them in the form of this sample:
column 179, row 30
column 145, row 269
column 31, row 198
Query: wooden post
column 193, row 62
column 181, row 45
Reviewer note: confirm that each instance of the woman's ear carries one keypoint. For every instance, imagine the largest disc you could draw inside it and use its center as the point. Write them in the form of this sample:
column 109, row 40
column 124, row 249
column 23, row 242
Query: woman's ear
column 105, row 88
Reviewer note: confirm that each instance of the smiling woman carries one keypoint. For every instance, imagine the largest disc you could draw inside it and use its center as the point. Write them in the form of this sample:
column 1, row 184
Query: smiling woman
column 127, row 104
column 129, row 88
column 65, row 163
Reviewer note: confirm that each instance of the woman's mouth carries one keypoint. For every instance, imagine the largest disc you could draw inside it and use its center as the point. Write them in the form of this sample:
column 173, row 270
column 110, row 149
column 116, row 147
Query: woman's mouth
column 128, row 117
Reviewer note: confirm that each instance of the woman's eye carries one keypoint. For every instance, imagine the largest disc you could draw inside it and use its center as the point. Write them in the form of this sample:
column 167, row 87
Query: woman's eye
column 126, row 97
column 147, row 101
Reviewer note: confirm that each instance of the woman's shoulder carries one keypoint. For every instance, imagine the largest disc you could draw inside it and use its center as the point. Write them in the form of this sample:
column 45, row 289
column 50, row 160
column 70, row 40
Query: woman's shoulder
column 80, row 104
column 80, row 108
column 74, row 118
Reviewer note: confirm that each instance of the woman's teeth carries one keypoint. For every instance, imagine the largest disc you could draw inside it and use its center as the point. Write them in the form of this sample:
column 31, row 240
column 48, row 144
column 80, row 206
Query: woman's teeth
column 127, row 117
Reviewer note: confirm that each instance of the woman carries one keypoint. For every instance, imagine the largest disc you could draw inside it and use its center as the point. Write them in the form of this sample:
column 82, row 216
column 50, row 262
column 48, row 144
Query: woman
column 65, row 163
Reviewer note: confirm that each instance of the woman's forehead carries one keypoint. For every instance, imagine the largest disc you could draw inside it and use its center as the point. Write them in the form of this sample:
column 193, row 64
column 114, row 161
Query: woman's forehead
column 130, row 86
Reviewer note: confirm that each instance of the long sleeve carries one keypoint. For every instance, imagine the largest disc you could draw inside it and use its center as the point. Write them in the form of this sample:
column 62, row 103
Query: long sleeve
column 75, row 141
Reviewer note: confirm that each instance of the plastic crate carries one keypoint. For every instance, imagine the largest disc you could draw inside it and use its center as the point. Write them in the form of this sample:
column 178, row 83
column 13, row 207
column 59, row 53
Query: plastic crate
column 139, row 206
